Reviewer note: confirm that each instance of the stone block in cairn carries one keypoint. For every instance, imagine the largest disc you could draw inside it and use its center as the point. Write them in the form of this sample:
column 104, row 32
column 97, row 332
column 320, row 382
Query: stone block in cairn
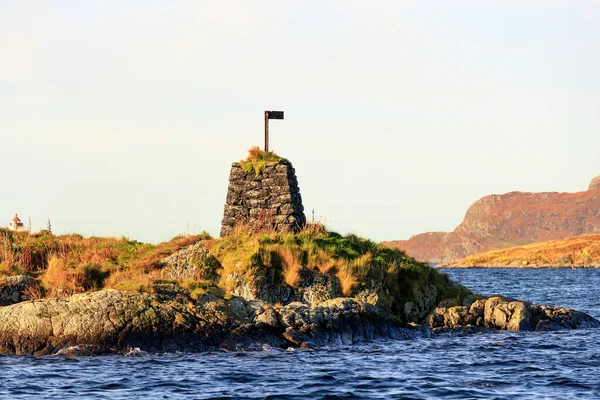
column 269, row 200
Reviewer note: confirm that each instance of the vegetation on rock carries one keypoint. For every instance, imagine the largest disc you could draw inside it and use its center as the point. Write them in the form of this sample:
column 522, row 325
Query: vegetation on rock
column 363, row 268
column 582, row 251
column 257, row 159
column 312, row 266
column 244, row 291
column 67, row 264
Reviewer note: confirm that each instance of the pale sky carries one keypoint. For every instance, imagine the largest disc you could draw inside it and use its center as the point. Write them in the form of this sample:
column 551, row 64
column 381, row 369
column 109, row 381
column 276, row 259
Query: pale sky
column 123, row 117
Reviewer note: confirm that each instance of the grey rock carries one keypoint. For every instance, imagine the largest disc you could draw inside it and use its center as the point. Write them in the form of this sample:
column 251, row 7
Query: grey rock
column 502, row 313
column 15, row 289
column 192, row 262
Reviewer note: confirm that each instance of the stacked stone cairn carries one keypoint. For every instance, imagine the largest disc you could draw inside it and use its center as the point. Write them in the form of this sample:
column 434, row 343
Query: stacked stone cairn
column 267, row 200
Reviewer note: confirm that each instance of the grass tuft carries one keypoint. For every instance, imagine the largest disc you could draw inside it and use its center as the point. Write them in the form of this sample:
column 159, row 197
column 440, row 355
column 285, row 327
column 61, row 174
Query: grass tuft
column 257, row 159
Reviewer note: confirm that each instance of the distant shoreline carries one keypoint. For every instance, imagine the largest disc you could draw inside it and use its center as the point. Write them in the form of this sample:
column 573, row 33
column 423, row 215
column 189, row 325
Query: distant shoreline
column 441, row 266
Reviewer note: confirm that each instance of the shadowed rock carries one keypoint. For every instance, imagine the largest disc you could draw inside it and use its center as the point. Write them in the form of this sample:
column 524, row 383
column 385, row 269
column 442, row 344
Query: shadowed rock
column 15, row 289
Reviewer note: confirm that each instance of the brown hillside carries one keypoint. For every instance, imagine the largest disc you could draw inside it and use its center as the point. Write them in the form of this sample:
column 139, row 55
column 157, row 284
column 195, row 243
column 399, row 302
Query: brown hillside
column 583, row 251
column 511, row 219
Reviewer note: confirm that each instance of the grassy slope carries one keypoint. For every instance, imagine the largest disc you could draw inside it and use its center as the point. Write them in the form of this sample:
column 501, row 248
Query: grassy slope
column 70, row 263
column 358, row 263
column 578, row 251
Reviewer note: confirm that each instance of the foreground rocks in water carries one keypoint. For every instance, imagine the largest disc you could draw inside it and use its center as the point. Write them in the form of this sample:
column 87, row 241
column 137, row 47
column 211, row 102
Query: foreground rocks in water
column 339, row 321
column 170, row 320
column 114, row 321
column 111, row 321
column 508, row 314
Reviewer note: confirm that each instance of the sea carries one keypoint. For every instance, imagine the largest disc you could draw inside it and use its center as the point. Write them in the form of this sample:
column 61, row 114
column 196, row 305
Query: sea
column 497, row 365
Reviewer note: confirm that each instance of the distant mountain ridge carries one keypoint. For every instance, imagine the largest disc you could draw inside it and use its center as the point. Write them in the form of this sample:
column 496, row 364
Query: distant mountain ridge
column 511, row 219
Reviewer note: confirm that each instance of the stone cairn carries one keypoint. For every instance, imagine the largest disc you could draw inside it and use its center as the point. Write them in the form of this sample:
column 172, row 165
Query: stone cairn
column 269, row 200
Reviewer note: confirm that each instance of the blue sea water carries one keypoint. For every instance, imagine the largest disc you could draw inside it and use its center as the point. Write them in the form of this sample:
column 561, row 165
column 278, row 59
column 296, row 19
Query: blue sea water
column 504, row 365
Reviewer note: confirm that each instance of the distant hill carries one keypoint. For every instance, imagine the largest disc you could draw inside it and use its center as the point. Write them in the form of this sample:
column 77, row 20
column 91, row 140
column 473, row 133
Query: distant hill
column 507, row 220
column 583, row 251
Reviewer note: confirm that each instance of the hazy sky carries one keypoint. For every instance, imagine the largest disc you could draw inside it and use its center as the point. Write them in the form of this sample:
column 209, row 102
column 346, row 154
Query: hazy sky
column 123, row 117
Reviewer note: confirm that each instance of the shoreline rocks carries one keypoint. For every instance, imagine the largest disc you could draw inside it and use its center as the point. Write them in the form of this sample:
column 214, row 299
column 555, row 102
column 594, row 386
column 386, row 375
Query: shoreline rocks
column 502, row 313
column 523, row 266
column 111, row 321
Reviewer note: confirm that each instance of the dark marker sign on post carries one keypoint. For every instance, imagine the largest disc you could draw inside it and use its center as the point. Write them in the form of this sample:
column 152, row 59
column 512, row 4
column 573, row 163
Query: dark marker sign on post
column 275, row 114
column 270, row 115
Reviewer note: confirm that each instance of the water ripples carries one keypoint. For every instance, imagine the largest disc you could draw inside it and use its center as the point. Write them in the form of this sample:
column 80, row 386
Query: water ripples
column 493, row 365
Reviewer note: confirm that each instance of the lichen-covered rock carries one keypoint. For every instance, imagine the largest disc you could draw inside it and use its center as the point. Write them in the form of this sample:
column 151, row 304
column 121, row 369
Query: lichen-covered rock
column 109, row 320
column 15, row 289
column 423, row 303
column 113, row 321
column 315, row 287
column 192, row 262
column 265, row 287
column 270, row 199
column 312, row 288
column 341, row 321
column 512, row 315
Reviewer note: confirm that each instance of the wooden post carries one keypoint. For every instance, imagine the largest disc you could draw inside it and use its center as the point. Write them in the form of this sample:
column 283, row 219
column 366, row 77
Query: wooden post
column 266, row 131
column 270, row 115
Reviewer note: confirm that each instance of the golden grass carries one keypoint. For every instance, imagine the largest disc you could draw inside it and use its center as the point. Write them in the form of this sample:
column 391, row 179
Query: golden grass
column 347, row 279
column 577, row 251
column 69, row 264
column 291, row 265
column 352, row 260
column 58, row 280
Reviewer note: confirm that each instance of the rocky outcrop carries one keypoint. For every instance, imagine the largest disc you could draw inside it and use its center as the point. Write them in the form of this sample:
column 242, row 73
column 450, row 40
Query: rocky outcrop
column 170, row 320
column 192, row 262
column 15, row 289
column 113, row 321
column 267, row 199
column 508, row 314
column 507, row 220
column 340, row 321
column 110, row 321
column 313, row 287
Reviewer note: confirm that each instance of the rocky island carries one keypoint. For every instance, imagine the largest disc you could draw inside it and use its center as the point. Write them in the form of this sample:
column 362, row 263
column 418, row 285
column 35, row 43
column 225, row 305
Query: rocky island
column 270, row 280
